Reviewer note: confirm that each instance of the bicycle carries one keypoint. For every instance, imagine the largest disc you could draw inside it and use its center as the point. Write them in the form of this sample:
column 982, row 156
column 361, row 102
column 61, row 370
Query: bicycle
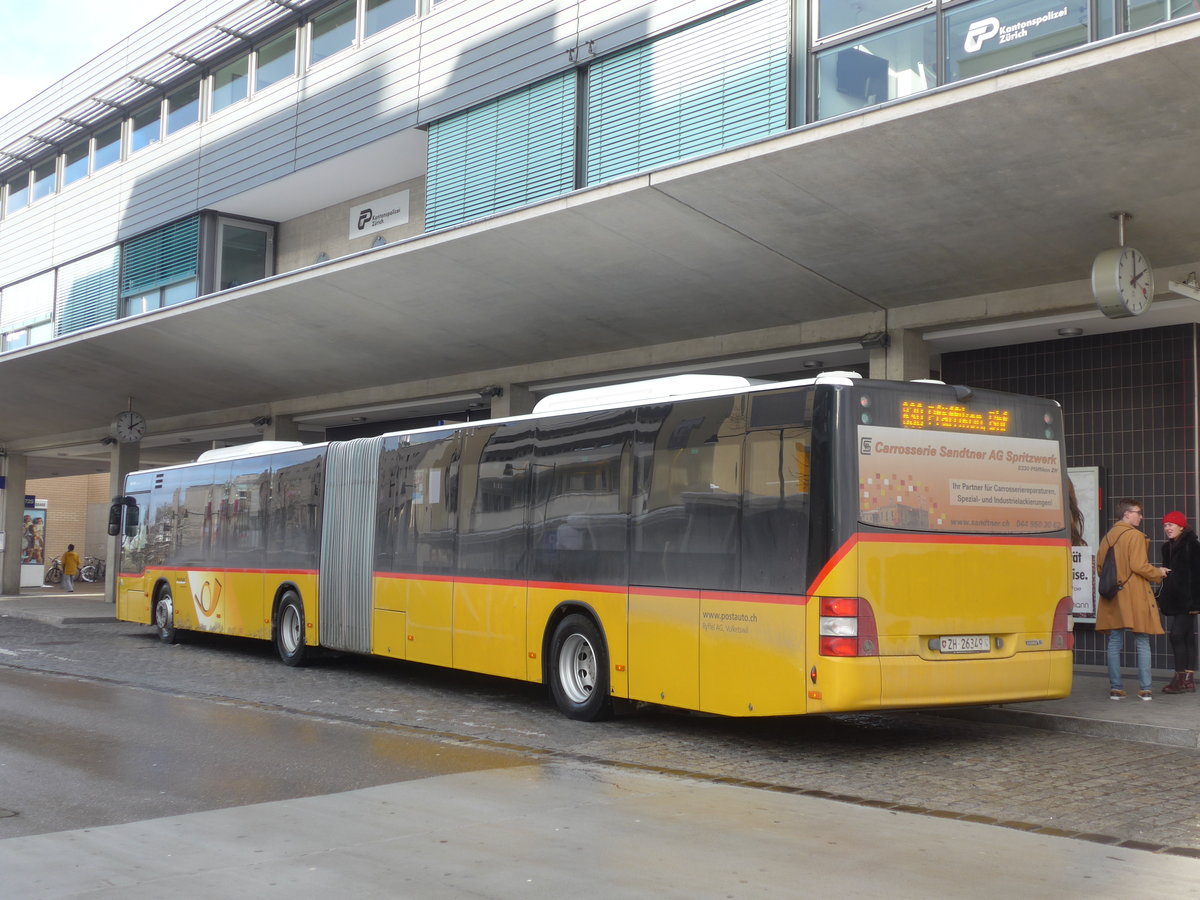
column 54, row 573
column 93, row 569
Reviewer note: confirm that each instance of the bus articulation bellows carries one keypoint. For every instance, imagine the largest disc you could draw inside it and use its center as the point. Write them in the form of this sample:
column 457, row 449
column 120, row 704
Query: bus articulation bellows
column 820, row 546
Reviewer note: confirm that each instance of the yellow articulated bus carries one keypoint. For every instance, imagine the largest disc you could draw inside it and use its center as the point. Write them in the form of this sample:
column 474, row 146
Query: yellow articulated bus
column 819, row 546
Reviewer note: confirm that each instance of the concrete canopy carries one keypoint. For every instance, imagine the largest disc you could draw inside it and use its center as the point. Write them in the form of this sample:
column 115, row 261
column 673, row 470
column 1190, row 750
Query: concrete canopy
column 1003, row 184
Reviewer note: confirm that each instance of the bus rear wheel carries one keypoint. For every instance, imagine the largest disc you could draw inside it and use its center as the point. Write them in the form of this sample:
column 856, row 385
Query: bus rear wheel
column 579, row 678
column 289, row 631
column 164, row 616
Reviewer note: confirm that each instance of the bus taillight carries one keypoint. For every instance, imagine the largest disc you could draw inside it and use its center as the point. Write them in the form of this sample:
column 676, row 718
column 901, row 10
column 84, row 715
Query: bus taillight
column 847, row 627
column 1062, row 637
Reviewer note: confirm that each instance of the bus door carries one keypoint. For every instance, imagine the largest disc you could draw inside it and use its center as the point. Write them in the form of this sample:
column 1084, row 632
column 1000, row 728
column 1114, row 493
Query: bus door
column 128, row 517
column 491, row 582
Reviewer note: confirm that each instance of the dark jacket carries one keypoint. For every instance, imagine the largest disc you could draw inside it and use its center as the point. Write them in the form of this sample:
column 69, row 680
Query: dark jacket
column 1180, row 592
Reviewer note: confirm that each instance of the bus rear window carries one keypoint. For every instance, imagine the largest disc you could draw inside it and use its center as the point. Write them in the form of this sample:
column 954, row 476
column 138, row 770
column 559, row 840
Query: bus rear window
column 981, row 463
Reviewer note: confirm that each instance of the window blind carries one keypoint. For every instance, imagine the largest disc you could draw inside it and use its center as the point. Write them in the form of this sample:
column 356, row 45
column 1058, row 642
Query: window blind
column 162, row 257
column 511, row 151
column 713, row 85
column 87, row 291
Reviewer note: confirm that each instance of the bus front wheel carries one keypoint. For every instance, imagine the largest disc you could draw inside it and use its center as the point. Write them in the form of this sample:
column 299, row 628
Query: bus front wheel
column 579, row 678
column 289, row 631
column 164, row 616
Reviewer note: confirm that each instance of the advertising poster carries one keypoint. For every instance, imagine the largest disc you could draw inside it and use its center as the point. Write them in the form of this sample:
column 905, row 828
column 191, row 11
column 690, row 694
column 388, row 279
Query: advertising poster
column 931, row 481
column 1086, row 482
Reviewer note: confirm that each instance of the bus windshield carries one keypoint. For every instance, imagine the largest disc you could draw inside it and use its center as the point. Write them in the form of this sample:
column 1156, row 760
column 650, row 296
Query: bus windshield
column 932, row 461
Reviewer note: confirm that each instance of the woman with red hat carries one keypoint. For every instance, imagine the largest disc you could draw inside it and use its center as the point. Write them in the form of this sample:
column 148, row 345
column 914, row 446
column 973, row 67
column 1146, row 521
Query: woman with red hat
column 1180, row 598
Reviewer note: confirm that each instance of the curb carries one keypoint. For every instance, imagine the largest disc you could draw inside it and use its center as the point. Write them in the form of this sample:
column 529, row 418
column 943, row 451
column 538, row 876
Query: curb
column 1163, row 735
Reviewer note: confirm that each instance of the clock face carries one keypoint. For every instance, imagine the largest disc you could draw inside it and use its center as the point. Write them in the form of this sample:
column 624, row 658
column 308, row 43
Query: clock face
column 1135, row 280
column 1122, row 282
column 128, row 427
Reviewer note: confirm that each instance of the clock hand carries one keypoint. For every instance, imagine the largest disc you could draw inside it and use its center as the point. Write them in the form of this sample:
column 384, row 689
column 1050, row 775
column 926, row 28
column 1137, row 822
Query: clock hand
column 1134, row 279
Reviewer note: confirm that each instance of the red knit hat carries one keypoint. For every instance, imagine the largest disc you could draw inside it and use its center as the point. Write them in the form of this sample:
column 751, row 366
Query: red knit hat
column 1175, row 518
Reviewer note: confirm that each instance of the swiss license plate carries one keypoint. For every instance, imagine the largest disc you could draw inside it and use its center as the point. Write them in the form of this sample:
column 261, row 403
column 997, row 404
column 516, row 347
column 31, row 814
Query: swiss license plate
column 965, row 643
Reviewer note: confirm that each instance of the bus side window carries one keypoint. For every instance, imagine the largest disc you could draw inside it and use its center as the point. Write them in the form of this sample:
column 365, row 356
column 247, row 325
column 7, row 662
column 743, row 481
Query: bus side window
column 132, row 517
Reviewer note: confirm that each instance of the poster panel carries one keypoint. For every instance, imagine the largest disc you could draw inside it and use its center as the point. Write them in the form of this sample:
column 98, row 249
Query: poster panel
column 932, row 481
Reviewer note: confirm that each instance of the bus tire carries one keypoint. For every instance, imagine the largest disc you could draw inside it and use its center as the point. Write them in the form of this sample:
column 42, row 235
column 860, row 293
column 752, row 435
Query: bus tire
column 289, row 631
column 164, row 616
column 579, row 677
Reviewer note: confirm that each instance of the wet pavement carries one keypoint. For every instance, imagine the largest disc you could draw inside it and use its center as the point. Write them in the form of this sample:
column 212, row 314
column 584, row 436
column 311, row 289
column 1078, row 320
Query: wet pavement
column 1172, row 721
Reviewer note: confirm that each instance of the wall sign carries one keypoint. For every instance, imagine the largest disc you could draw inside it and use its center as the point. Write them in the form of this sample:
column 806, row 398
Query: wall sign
column 382, row 212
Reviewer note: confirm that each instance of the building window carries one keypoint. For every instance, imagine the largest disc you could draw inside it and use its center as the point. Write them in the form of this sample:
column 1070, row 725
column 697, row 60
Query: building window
column 722, row 82
column 26, row 310
column 161, row 267
column 275, row 61
column 230, row 83
column 183, row 107
column 75, row 163
column 145, row 127
column 511, row 151
column 834, row 16
column 245, row 252
column 1144, row 13
column 881, row 67
column 45, row 179
column 107, row 148
column 995, row 34
column 332, row 32
column 88, row 291
column 18, row 193
column 381, row 14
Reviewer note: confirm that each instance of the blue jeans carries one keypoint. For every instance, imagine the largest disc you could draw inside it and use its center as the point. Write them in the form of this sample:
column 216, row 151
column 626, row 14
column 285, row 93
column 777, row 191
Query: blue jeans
column 1116, row 641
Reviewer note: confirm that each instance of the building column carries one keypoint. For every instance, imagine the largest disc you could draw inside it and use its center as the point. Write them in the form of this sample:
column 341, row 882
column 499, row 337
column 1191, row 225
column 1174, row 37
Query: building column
column 123, row 459
column 281, row 428
column 513, row 400
column 12, row 508
column 905, row 358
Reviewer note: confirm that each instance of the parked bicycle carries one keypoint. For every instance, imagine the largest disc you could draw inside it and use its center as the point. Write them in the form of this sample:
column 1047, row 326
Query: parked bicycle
column 54, row 573
column 93, row 569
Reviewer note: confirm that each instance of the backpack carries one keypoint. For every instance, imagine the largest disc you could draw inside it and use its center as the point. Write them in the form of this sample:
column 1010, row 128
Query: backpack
column 1108, row 586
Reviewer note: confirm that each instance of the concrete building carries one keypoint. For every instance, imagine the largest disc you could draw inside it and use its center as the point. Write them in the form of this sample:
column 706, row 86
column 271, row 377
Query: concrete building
column 325, row 218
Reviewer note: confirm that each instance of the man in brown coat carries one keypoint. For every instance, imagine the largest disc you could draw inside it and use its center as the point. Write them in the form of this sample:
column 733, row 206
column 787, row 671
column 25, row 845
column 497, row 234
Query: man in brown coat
column 1133, row 608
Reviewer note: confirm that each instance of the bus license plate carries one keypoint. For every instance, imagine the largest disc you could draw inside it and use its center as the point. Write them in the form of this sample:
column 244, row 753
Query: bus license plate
column 966, row 643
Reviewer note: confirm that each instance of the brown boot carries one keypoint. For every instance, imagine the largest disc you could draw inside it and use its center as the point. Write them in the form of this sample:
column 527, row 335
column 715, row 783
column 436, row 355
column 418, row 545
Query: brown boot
column 1189, row 682
column 1177, row 685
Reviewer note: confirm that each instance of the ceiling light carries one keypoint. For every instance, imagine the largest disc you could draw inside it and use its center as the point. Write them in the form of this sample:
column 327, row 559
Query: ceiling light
column 1070, row 332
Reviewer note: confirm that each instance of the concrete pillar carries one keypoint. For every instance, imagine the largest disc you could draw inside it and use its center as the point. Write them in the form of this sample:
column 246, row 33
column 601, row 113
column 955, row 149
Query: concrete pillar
column 12, row 509
column 516, row 400
column 904, row 359
column 123, row 460
column 281, row 428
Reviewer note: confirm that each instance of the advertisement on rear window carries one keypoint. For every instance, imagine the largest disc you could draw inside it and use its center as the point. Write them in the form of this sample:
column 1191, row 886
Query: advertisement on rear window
column 929, row 481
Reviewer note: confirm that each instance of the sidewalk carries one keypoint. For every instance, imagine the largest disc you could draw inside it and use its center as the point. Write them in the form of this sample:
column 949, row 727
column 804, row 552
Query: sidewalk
column 1171, row 720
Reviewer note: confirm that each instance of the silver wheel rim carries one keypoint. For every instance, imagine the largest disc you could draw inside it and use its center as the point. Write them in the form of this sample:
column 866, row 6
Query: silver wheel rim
column 289, row 629
column 164, row 613
column 577, row 668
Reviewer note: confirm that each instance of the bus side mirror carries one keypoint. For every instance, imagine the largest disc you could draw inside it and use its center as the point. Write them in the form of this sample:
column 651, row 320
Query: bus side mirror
column 114, row 516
